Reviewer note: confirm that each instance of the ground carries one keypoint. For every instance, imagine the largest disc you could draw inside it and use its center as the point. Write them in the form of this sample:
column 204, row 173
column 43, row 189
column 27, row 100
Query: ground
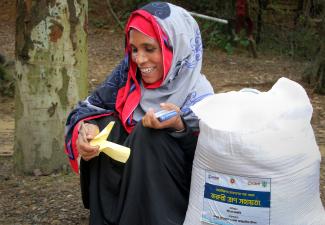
column 55, row 199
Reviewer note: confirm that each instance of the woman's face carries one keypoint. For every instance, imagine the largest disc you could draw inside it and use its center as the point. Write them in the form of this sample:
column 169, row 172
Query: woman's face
column 146, row 53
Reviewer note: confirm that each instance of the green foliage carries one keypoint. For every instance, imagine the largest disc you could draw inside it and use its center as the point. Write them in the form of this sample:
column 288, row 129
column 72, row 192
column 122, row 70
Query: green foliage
column 213, row 35
column 302, row 43
column 315, row 73
column 297, row 43
column 2, row 73
column 7, row 84
column 291, row 29
column 220, row 40
column 285, row 29
column 215, row 8
column 125, row 7
column 221, row 36
column 98, row 23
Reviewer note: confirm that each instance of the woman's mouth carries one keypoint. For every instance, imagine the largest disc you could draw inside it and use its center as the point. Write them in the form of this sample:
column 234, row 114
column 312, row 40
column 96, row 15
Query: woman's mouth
column 147, row 70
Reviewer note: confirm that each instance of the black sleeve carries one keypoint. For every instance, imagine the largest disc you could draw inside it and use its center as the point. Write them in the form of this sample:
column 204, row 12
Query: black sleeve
column 187, row 138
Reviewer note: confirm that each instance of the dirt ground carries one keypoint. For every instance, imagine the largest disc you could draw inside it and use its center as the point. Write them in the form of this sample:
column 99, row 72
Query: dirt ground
column 55, row 199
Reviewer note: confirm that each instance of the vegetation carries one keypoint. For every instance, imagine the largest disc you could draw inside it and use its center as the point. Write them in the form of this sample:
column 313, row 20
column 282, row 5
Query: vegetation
column 315, row 74
column 291, row 28
column 7, row 86
column 285, row 27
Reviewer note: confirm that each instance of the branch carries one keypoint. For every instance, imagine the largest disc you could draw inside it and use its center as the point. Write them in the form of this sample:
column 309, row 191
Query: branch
column 110, row 8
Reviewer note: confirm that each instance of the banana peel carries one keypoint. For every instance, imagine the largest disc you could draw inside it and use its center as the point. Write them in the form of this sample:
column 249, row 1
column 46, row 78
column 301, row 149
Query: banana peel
column 115, row 151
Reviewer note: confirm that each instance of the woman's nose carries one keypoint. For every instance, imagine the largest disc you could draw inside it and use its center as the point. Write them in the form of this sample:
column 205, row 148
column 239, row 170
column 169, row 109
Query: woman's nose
column 141, row 58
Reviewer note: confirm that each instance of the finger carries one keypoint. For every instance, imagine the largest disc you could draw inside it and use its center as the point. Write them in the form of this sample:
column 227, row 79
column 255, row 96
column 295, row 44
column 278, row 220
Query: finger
column 150, row 114
column 143, row 120
column 88, row 155
column 174, row 122
column 147, row 117
column 153, row 122
column 83, row 131
column 87, row 158
column 89, row 148
column 90, row 137
column 169, row 106
column 92, row 130
column 94, row 152
column 85, row 147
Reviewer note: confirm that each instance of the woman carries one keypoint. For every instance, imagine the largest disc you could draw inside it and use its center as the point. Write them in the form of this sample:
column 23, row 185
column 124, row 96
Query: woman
column 161, row 70
column 243, row 19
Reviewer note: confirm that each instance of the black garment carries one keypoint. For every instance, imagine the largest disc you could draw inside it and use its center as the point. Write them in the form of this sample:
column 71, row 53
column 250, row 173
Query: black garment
column 152, row 188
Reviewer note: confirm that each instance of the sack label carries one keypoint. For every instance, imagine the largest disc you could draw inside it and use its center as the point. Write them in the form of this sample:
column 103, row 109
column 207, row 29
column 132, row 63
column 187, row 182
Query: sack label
column 236, row 200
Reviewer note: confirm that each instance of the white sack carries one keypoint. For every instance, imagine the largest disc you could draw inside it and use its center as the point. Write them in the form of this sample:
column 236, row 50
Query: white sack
column 255, row 144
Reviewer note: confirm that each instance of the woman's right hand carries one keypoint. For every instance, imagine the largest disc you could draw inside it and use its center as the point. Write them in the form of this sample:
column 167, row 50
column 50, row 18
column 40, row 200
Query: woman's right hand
column 150, row 120
column 87, row 132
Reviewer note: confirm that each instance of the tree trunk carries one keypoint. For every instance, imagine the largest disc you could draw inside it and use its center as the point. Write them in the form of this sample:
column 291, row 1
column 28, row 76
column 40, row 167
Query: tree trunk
column 319, row 72
column 259, row 22
column 315, row 74
column 51, row 76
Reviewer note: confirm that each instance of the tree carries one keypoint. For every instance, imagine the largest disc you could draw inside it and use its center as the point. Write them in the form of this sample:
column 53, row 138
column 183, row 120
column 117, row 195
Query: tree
column 51, row 76
column 315, row 74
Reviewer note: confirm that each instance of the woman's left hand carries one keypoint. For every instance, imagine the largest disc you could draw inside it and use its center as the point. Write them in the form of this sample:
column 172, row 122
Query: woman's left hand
column 150, row 120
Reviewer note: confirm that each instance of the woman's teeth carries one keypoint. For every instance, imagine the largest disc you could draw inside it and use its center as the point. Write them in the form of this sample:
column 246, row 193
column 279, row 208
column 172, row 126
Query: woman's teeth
column 147, row 70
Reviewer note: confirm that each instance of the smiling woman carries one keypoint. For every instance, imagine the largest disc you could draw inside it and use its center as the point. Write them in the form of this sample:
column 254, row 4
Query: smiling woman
column 161, row 71
column 146, row 53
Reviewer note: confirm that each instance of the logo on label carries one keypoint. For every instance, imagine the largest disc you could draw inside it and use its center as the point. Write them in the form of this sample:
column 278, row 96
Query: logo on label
column 254, row 183
column 212, row 177
column 264, row 183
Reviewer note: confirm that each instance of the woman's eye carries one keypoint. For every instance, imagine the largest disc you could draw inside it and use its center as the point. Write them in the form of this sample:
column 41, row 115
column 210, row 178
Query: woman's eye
column 134, row 50
column 150, row 49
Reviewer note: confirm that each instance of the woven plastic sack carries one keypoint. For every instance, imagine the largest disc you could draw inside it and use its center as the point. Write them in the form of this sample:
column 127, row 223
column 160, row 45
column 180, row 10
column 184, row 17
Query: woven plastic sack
column 257, row 161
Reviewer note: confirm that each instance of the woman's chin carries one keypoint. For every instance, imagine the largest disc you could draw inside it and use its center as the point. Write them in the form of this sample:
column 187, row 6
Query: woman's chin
column 148, row 81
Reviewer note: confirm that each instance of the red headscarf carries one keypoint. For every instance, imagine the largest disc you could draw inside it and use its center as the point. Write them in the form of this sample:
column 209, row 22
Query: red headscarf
column 127, row 100
column 145, row 23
